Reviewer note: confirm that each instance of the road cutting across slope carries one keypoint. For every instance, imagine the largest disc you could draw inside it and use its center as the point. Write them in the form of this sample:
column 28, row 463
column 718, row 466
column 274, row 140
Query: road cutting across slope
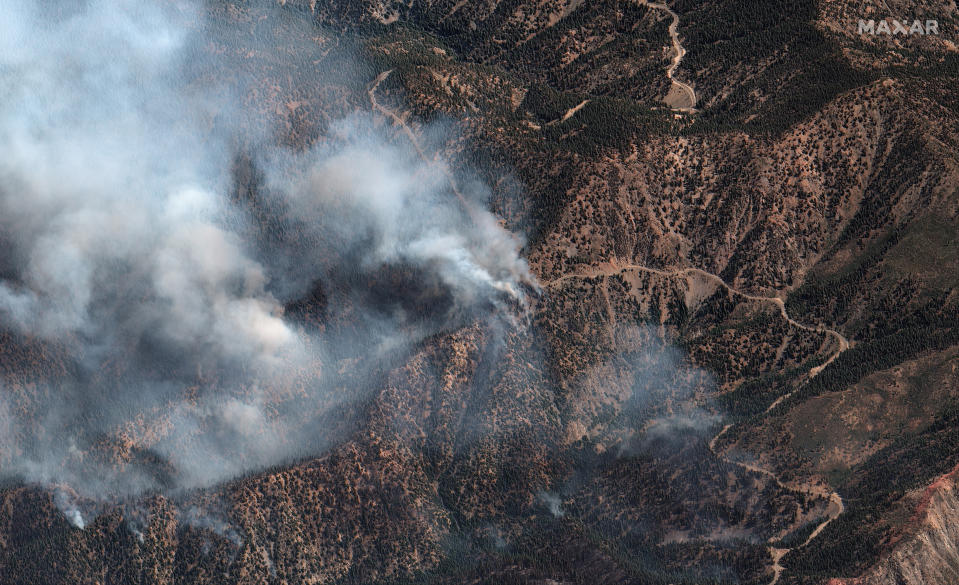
column 398, row 121
column 836, row 505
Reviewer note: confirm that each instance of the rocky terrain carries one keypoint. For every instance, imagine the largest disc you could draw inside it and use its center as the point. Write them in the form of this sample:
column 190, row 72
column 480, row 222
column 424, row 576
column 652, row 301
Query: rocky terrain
column 738, row 361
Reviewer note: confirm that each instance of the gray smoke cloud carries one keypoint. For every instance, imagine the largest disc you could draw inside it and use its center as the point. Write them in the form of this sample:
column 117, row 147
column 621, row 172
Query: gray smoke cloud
column 365, row 193
column 124, row 253
column 661, row 396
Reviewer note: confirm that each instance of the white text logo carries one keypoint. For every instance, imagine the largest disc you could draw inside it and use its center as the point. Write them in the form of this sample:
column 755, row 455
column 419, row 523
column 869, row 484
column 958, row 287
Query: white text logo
column 895, row 27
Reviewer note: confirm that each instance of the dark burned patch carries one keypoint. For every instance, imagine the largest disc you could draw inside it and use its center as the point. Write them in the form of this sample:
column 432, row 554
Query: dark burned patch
column 311, row 309
column 412, row 293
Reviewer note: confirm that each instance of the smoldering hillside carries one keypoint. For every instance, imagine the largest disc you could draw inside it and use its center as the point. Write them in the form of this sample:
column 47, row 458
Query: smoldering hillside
column 161, row 298
column 219, row 271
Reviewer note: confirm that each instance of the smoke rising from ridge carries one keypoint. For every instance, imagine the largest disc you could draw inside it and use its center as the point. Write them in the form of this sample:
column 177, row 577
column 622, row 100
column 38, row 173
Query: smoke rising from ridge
column 163, row 298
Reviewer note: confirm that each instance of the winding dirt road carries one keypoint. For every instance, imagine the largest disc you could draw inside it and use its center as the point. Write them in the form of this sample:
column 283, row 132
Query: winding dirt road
column 682, row 96
column 610, row 268
column 836, row 506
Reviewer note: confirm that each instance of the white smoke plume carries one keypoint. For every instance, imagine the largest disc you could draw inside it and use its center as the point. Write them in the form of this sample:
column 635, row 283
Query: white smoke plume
column 366, row 192
column 662, row 398
column 552, row 502
column 125, row 255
